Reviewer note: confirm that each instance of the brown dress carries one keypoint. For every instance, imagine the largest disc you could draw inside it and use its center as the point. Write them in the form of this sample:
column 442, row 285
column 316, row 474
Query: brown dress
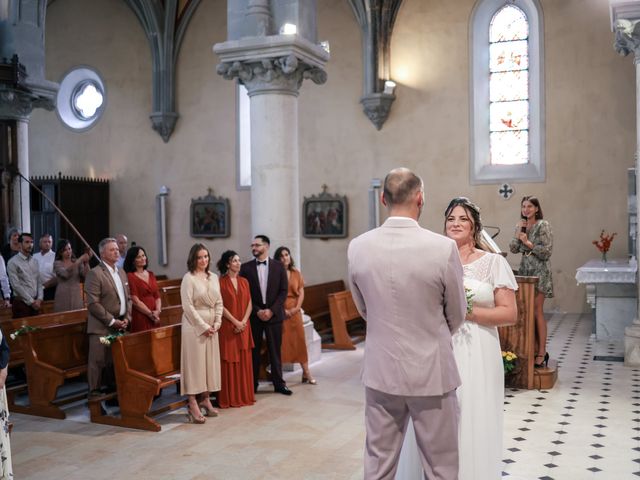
column 235, row 348
column 294, row 346
column 68, row 293
column 147, row 293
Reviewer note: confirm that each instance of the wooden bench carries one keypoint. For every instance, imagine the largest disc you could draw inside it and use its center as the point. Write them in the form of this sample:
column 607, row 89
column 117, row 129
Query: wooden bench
column 316, row 304
column 6, row 313
column 145, row 363
column 170, row 296
column 16, row 357
column 343, row 310
column 171, row 315
column 52, row 355
column 173, row 282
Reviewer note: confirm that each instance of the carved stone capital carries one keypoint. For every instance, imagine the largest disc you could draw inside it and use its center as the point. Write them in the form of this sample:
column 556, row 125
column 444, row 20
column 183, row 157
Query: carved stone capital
column 377, row 107
column 270, row 75
column 628, row 38
column 15, row 104
column 272, row 64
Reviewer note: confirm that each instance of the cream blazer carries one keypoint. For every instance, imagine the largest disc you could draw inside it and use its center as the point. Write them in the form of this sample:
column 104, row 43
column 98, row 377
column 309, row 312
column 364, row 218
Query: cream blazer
column 407, row 283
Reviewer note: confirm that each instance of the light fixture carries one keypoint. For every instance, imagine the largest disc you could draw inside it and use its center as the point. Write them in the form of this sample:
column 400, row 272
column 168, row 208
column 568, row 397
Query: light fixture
column 288, row 29
column 389, row 87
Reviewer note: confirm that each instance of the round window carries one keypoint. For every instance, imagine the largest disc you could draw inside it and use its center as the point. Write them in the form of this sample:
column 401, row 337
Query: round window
column 81, row 98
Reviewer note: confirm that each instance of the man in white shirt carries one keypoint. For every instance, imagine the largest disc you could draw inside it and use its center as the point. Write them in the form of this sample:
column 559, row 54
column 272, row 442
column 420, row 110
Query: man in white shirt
column 4, row 285
column 45, row 258
column 24, row 276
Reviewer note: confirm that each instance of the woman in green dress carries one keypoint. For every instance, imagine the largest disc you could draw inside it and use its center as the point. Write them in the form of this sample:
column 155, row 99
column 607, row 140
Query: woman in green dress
column 534, row 239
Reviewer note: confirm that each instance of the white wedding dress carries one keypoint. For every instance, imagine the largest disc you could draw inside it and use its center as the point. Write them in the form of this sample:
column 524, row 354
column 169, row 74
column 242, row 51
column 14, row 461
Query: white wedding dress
column 481, row 395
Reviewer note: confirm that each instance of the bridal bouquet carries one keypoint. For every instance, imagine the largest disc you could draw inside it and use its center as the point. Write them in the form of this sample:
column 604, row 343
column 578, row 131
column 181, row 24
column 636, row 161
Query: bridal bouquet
column 509, row 361
column 22, row 330
column 109, row 339
column 470, row 296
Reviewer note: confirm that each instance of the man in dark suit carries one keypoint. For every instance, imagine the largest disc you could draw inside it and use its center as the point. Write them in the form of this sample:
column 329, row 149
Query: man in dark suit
column 268, row 283
column 109, row 304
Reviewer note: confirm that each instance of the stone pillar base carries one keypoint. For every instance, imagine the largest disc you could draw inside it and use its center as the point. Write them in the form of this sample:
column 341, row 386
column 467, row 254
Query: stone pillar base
column 632, row 344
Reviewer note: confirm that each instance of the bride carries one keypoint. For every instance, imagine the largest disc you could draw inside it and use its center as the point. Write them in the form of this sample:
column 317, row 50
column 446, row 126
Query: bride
column 476, row 347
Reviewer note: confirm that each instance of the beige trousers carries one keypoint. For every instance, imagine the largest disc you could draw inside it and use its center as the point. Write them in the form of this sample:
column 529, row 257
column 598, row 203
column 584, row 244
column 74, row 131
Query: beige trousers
column 435, row 420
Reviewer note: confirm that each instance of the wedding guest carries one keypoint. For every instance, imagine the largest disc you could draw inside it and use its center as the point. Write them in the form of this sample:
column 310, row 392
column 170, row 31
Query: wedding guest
column 4, row 285
column 294, row 345
column 123, row 244
column 236, row 341
column 12, row 247
column 145, row 295
column 45, row 258
column 534, row 239
column 201, row 320
column 6, row 469
column 70, row 273
column 24, row 276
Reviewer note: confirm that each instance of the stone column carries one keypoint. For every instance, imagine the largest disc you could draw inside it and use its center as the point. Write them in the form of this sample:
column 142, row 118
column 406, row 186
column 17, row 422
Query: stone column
column 272, row 67
column 21, row 197
column 626, row 25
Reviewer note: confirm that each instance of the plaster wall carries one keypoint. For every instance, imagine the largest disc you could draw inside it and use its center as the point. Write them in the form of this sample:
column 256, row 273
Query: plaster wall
column 590, row 128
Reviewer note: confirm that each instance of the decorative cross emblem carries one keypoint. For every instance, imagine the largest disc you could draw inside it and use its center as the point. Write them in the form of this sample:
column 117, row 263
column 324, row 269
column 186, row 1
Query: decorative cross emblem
column 506, row 191
column 210, row 192
column 324, row 188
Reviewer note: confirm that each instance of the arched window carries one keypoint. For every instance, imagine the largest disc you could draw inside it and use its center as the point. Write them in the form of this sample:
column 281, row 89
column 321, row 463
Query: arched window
column 506, row 89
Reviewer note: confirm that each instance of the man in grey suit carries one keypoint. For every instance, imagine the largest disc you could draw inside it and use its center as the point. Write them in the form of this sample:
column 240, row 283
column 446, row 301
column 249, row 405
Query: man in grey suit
column 107, row 293
column 407, row 284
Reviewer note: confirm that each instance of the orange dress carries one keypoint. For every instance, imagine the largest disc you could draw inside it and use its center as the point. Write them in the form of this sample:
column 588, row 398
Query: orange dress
column 294, row 346
column 235, row 348
column 147, row 293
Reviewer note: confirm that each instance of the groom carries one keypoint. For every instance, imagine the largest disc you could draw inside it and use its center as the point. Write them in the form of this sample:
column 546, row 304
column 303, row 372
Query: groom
column 407, row 284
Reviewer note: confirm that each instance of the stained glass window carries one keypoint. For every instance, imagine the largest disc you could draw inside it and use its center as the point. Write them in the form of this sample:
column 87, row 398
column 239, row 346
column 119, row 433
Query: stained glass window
column 509, row 87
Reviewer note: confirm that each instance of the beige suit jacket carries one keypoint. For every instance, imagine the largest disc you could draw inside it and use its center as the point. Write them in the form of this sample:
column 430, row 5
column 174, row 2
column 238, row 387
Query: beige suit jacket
column 407, row 284
column 103, row 302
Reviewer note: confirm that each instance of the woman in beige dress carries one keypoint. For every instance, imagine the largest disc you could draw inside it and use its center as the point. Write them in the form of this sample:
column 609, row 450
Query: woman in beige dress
column 70, row 272
column 201, row 320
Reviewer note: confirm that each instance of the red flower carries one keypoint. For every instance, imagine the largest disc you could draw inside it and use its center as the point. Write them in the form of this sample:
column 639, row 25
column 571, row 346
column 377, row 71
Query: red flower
column 604, row 244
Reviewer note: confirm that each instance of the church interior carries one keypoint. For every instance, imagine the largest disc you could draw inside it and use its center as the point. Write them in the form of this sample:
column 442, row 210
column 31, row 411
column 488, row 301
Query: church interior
column 215, row 106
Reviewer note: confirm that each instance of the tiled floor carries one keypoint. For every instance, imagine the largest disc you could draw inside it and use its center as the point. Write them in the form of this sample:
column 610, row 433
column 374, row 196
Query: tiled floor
column 587, row 426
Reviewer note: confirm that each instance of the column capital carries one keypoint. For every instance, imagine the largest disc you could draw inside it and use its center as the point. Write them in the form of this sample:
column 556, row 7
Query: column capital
column 627, row 38
column 272, row 64
column 15, row 104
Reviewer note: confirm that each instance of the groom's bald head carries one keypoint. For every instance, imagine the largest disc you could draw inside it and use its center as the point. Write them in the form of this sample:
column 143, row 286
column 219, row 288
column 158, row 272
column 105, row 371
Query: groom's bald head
column 401, row 186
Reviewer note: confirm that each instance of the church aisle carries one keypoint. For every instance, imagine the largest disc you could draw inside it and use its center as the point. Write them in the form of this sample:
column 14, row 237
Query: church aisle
column 587, row 426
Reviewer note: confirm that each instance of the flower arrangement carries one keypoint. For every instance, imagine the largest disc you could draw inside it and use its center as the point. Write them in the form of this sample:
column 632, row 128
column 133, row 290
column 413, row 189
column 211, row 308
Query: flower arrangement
column 469, row 294
column 109, row 339
column 604, row 243
column 22, row 330
column 509, row 361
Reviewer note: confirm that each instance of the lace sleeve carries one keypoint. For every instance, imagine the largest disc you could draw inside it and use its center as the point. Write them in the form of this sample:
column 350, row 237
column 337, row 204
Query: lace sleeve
column 501, row 274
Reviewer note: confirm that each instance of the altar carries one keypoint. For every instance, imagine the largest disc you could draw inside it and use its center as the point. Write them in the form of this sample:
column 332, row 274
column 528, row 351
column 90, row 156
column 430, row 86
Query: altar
column 612, row 294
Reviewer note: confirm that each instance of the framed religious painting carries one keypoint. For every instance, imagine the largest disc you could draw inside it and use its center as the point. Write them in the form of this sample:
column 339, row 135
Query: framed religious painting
column 324, row 216
column 209, row 217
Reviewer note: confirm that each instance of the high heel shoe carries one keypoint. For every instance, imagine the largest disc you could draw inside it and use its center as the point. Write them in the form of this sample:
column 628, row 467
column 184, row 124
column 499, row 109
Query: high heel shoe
column 310, row 380
column 206, row 412
column 544, row 362
column 197, row 420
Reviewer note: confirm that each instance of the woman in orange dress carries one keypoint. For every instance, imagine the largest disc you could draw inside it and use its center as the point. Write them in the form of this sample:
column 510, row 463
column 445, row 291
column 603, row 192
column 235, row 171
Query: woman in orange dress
column 294, row 345
column 145, row 295
column 236, row 341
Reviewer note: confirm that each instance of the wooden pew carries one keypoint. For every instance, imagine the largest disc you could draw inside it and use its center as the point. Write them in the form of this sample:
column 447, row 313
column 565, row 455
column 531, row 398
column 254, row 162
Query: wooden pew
column 316, row 304
column 170, row 315
column 52, row 355
column 520, row 338
column 173, row 282
column 145, row 363
column 6, row 314
column 343, row 310
column 16, row 357
column 170, row 296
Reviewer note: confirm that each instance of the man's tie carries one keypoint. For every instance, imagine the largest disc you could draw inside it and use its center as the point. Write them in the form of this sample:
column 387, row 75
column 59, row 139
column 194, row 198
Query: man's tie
column 264, row 262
